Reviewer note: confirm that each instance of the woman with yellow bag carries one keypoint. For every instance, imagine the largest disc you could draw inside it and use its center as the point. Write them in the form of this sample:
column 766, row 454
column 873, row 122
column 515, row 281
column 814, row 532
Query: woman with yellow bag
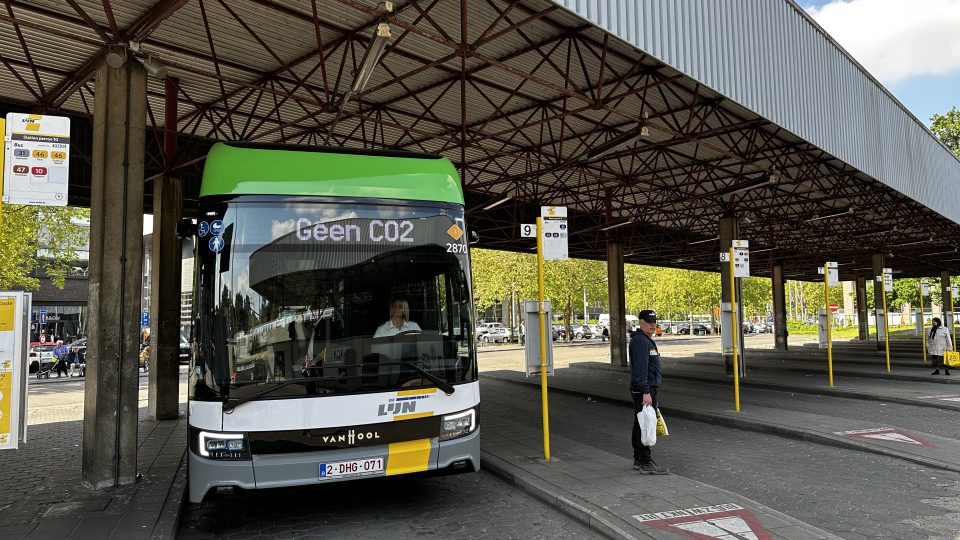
column 938, row 342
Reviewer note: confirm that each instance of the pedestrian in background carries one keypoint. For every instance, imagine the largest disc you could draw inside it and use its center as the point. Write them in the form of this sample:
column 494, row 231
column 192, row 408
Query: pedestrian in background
column 645, row 381
column 938, row 341
column 60, row 353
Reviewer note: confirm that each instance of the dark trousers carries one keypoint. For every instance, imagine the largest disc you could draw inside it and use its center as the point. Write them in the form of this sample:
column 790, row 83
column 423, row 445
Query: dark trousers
column 938, row 362
column 640, row 451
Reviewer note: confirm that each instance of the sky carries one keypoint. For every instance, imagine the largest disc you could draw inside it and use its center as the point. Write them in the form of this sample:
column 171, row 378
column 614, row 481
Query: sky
column 911, row 46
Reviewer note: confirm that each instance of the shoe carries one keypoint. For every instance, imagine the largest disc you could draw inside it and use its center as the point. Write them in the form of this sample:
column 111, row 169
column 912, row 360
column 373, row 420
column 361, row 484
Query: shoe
column 653, row 468
column 946, row 372
column 636, row 464
column 936, row 372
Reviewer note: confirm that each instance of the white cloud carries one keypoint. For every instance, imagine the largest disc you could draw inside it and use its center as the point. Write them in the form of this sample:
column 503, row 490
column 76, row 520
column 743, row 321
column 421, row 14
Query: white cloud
column 896, row 39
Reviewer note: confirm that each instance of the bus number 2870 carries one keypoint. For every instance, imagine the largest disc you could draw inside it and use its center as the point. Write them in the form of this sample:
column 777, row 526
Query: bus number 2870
column 456, row 248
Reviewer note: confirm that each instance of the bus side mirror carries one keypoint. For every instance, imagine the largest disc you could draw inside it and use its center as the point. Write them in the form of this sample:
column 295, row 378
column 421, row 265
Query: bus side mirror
column 474, row 237
column 186, row 228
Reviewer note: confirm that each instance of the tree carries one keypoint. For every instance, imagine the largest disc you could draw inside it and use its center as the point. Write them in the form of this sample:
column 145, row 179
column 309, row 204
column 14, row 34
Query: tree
column 41, row 239
column 946, row 127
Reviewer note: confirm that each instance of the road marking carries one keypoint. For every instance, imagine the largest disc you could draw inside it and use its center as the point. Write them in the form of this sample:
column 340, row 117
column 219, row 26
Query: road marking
column 724, row 521
column 886, row 435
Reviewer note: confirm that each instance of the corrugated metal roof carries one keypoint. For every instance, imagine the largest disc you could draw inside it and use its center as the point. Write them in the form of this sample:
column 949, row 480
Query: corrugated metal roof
column 771, row 57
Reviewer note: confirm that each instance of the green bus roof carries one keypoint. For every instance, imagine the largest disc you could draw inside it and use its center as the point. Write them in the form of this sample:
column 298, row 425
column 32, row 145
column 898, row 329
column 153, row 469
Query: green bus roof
column 237, row 169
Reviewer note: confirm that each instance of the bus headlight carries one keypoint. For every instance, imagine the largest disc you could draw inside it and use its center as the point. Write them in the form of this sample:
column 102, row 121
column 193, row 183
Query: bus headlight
column 215, row 445
column 458, row 425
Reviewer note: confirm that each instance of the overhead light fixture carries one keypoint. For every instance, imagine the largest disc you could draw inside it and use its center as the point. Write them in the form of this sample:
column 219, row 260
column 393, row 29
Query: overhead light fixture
column 870, row 232
column 947, row 252
column 116, row 56
column 830, row 215
column 774, row 175
column 909, row 243
column 616, row 225
column 615, row 143
column 154, row 67
column 695, row 242
column 381, row 36
column 743, row 186
column 498, row 202
column 372, row 56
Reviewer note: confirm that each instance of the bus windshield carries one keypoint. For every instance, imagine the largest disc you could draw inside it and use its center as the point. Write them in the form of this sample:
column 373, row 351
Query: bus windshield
column 320, row 298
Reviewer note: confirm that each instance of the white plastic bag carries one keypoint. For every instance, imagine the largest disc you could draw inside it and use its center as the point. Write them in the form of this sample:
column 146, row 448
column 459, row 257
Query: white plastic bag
column 647, row 417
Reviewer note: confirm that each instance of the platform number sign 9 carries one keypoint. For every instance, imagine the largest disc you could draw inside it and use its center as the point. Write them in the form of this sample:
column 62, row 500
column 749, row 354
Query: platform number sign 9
column 528, row 230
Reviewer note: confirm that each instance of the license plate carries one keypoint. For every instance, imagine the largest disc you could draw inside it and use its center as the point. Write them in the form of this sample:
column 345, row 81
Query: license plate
column 353, row 468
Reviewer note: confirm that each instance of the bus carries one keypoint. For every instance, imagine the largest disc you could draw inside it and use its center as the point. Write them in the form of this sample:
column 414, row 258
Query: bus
column 332, row 320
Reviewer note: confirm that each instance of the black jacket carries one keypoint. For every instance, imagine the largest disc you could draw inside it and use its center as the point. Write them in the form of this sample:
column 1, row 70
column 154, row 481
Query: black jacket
column 644, row 364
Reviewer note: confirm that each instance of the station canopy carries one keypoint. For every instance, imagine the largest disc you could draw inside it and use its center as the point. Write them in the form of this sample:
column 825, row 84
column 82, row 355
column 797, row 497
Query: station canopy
column 532, row 103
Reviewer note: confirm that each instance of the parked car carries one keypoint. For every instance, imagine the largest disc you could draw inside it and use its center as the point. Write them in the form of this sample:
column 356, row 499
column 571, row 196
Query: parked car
column 698, row 329
column 582, row 331
column 185, row 350
column 560, row 330
column 485, row 327
column 495, row 334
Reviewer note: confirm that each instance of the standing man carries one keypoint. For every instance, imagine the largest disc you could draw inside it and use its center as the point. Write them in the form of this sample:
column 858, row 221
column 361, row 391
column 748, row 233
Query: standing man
column 644, row 382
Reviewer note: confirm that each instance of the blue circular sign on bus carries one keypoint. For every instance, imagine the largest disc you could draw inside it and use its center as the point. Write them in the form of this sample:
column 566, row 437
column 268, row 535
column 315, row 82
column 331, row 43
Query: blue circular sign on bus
column 203, row 228
column 216, row 227
column 216, row 244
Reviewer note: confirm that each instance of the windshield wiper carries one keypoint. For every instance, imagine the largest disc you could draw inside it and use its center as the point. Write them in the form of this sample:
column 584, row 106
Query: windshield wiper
column 437, row 381
column 236, row 402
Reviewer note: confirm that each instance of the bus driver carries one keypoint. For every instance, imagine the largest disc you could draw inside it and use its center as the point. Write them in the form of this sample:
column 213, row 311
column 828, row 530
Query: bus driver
column 399, row 320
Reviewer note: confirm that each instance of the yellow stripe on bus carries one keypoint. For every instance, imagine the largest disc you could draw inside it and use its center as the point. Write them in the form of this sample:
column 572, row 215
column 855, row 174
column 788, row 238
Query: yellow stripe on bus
column 412, row 416
column 419, row 392
column 408, row 456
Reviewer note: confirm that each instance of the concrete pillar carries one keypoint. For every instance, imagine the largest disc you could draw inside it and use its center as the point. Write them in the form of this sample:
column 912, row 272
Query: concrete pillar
column 878, row 262
column 116, row 239
column 779, row 308
column 729, row 231
column 164, row 376
column 946, row 295
column 863, row 320
column 618, row 304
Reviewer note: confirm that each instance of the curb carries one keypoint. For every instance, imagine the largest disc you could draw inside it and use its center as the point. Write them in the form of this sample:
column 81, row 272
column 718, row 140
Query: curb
column 592, row 516
column 832, row 392
column 168, row 523
column 760, row 426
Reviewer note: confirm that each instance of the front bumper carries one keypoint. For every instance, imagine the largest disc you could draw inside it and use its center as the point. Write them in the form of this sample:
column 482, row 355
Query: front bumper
column 284, row 470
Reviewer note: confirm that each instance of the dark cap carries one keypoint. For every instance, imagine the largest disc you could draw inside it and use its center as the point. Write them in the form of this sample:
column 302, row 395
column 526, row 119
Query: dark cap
column 648, row 315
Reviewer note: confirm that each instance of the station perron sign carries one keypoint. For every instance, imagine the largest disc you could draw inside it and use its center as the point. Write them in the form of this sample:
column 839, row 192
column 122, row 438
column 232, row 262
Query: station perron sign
column 36, row 159
column 741, row 258
column 555, row 232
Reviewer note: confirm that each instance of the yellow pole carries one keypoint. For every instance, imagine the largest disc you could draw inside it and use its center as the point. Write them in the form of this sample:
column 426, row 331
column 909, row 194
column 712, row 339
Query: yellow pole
column 953, row 323
column 923, row 329
column 886, row 327
column 3, row 134
column 543, row 344
column 826, row 303
column 733, row 334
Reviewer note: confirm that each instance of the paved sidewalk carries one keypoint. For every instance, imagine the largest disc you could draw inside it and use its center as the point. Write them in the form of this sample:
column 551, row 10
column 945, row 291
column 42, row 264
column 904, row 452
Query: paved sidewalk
column 41, row 496
column 604, row 492
column 580, row 482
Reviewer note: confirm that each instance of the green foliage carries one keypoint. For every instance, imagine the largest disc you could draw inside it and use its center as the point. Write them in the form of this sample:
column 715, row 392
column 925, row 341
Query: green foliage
column 946, row 127
column 29, row 228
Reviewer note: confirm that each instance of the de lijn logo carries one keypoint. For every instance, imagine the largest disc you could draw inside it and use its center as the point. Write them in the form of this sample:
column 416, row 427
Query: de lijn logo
column 400, row 405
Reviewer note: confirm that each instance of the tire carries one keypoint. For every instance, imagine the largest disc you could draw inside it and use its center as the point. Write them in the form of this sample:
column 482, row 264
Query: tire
column 485, row 339
column 579, row 335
